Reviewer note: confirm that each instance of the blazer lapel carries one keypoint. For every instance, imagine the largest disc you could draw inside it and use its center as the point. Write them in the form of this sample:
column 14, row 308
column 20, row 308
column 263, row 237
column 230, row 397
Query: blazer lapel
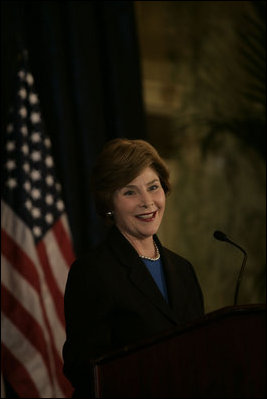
column 175, row 286
column 143, row 280
column 138, row 273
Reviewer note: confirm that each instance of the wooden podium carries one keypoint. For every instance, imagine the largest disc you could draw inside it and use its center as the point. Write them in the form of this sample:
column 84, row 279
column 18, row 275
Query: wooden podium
column 221, row 355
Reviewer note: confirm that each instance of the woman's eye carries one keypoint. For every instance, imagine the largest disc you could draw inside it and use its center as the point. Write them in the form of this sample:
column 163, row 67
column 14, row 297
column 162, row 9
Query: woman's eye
column 129, row 192
column 154, row 187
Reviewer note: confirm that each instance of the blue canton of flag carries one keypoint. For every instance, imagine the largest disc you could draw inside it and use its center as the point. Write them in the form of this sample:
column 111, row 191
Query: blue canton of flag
column 29, row 176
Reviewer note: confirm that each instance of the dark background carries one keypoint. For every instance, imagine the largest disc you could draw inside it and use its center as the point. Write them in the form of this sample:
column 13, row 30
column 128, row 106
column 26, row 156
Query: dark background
column 85, row 61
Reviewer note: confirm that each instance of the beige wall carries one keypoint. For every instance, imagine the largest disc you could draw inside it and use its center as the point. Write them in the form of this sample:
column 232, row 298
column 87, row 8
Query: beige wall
column 194, row 78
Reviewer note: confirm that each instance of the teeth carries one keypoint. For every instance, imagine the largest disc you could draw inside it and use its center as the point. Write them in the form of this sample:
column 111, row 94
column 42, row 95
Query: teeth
column 148, row 216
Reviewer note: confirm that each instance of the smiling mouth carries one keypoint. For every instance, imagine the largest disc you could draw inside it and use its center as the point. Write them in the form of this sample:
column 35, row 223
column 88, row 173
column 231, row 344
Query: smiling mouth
column 147, row 217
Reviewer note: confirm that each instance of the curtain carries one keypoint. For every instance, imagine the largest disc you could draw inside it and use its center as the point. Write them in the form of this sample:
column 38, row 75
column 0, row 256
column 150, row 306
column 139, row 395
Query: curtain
column 85, row 60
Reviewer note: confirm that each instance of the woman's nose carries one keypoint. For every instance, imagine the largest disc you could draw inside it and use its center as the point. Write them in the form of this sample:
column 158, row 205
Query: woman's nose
column 146, row 200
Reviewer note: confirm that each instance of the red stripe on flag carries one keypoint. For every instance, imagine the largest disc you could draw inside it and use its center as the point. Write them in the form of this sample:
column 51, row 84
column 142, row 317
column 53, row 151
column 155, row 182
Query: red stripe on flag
column 20, row 260
column 19, row 377
column 64, row 242
column 51, row 282
column 26, row 324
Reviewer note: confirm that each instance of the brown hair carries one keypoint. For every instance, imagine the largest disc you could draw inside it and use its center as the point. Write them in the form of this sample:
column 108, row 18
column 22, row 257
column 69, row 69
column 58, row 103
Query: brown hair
column 121, row 161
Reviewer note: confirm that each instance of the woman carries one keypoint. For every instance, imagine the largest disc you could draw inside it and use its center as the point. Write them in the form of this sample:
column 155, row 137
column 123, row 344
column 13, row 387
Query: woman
column 129, row 287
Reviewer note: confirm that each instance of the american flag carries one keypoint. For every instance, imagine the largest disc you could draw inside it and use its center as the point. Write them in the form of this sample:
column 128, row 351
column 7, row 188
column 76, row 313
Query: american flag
column 36, row 253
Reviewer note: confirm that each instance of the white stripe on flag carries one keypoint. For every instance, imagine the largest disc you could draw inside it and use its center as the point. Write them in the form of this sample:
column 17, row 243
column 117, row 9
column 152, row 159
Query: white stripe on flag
column 27, row 355
column 26, row 295
column 58, row 265
column 23, row 292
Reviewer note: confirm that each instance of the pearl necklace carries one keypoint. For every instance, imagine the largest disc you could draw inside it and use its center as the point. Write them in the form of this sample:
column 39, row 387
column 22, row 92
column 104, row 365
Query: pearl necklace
column 157, row 254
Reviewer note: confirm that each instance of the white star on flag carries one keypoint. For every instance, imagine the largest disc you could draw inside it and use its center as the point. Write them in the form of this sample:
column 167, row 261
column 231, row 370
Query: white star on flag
column 35, row 174
column 24, row 130
column 21, row 74
column 33, row 98
column 35, row 117
column 11, row 164
column 60, row 205
column 37, row 231
column 29, row 79
column 49, row 218
column 11, row 182
column 36, row 212
column 26, row 167
column 10, row 146
column 36, row 137
column 27, row 186
column 23, row 112
column 49, row 180
column 25, row 149
column 49, row 199
column 47, row 143
column 28, row 204
column 49, row 161
column 9, row 128
column 36, row 193
column 36, row 155
column 22, row 93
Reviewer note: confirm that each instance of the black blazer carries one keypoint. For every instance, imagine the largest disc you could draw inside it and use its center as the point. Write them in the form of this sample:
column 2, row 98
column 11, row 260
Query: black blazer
column 111, row 300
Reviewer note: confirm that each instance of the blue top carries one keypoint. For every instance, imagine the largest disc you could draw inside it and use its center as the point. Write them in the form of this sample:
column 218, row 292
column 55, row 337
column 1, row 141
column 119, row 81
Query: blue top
column 156, row 270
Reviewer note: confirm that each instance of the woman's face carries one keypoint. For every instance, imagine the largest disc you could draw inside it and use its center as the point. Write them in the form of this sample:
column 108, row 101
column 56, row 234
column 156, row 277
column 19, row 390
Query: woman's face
column 139, row 206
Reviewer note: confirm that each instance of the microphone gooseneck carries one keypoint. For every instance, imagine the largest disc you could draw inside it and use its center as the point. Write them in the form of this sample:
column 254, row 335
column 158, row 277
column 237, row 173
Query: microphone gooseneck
column 219, row 235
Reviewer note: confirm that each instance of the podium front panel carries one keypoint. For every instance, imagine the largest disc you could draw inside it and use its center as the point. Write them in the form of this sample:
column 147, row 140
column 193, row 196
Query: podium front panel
column 219, row 356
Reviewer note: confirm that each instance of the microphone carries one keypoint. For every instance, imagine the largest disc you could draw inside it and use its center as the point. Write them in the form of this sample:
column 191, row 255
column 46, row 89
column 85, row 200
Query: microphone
column 219, row 235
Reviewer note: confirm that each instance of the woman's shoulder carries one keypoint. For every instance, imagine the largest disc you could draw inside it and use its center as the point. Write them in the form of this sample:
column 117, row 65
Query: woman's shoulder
column 175, row 256
column 180, row 264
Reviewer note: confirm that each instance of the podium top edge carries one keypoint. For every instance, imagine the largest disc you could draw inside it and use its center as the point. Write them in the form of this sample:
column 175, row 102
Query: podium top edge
column 246, row 308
